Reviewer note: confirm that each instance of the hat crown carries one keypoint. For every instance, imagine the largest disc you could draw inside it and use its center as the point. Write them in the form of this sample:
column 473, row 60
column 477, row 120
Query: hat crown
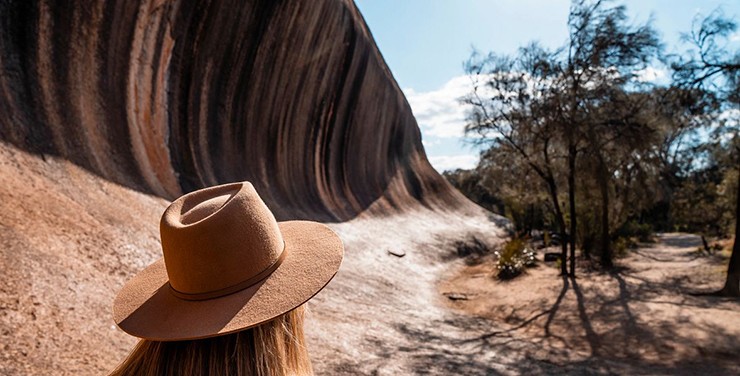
column 219, row 239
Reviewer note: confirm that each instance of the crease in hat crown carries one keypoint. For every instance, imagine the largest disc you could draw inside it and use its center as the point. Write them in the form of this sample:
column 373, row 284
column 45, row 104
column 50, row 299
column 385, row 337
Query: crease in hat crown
column 219, row 240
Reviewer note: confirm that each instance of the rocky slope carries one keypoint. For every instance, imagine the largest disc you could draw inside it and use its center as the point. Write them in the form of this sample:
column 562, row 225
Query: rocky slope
column 168, row 96
column 109, row 109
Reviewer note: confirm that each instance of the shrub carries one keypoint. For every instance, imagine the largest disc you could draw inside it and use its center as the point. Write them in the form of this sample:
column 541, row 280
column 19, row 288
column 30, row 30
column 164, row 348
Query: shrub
column 472, row 246
column 472, row 250
column 621, row 246
column 642, row 231
column 513, row 257
column 546, row 239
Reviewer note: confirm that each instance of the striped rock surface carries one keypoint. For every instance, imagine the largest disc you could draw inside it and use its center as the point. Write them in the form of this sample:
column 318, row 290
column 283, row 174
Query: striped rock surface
column 169, row 96
column 109, row 109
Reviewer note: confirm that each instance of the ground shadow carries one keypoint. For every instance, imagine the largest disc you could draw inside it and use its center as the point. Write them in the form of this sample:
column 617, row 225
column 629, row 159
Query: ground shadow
column 569, row 335
column 681, row 241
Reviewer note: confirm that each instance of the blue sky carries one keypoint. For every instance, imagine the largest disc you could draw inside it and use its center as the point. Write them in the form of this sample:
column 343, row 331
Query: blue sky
column 424, row 42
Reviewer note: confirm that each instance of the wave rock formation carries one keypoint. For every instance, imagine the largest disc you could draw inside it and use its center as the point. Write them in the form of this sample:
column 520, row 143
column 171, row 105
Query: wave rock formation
column 111, row 108
column 169, row 96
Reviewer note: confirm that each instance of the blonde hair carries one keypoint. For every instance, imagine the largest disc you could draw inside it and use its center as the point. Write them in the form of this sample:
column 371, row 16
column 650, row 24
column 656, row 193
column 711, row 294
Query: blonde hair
column 276, row 347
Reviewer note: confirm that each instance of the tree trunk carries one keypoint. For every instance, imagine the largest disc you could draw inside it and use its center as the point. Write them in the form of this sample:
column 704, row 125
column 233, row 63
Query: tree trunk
column 705, row 243
column 732, row 283
column 572, row 204
column 606, row 254
column 586, row 246
column 561, row 224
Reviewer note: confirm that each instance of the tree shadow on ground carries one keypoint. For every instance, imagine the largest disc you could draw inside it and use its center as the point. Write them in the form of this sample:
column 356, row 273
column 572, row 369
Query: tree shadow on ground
column 681, row 240
column 583, row 331
column 713, row 258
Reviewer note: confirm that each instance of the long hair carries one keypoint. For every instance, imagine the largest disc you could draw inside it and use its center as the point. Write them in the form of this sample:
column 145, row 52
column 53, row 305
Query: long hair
column 276, row 347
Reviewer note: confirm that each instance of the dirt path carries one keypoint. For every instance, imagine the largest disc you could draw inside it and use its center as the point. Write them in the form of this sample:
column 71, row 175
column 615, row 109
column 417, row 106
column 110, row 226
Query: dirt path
column 639, row 319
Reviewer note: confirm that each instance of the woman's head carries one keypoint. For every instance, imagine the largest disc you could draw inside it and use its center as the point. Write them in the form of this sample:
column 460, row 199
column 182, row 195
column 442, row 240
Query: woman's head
column 232, row 274
column 276, row 347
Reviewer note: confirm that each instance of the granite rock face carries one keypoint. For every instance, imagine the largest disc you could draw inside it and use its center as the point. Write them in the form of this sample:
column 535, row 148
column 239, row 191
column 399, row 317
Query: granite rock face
column 169, row 96
column 108, row 109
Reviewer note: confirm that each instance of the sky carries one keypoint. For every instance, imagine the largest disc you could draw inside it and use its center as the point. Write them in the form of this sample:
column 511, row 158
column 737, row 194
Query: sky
column 425, row 42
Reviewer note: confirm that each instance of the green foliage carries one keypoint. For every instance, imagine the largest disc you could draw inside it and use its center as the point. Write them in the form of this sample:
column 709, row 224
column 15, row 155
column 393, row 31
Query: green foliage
column 513, row 257
column 704, row 201
column 506, row 195
column 622, row 245
column 526, row 216
column 574, row 141
column 561, row 119
column 473, row 185
column 643, row 232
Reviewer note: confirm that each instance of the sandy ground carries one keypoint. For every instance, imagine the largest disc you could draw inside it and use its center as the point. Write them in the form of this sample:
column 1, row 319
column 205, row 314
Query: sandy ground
column 70, row 239
column 639, row 319
column 373, row 316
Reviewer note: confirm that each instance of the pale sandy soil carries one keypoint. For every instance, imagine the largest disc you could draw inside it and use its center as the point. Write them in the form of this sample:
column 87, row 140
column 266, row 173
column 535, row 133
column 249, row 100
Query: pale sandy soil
column 69, row 240
column 639, row 319
column 371, row 318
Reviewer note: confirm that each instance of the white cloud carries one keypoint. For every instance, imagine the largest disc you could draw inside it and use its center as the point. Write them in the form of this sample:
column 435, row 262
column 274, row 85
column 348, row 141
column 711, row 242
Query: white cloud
column 651, row 74
column 731, row 114
column 731, row 119
column 441, row 115
column 735, row 37
column 439, row 112
column 431, row 142
column 443, row 163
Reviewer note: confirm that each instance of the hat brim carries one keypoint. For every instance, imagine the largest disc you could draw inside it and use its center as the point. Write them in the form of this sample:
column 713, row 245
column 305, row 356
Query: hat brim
column 146, row 308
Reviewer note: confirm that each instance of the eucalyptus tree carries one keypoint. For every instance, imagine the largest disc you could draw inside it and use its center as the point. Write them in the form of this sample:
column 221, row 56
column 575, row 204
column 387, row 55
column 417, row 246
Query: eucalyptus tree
column 605, row 55
column 542, row 106
column 512, row 113
column 710, row 64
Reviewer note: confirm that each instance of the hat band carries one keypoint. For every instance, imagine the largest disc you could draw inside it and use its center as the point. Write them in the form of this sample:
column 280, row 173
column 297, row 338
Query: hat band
column 232, row 289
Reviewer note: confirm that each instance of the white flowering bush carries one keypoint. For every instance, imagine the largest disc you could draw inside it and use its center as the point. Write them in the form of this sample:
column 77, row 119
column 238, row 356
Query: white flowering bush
column 513, row 257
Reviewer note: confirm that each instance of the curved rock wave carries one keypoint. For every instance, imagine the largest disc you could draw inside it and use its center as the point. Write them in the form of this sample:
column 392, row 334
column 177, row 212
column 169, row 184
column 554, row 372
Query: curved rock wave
column 169, row 96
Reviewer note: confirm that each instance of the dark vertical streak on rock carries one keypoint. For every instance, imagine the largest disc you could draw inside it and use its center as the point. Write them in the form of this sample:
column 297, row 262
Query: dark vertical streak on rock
column 62, row 54
column 347, row 146
column 116, row 33
column 185, row 30
column 22, row 119
column 168, row 96
column 333, row 167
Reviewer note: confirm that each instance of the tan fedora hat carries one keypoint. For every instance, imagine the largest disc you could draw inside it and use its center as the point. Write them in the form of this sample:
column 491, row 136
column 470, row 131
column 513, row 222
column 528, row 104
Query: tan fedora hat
column 228, row 265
